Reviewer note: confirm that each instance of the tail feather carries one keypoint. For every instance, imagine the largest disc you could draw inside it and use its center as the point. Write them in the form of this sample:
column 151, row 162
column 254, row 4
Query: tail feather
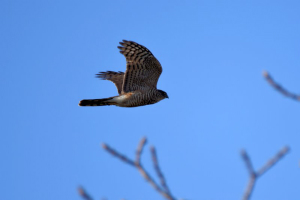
column 97, row 102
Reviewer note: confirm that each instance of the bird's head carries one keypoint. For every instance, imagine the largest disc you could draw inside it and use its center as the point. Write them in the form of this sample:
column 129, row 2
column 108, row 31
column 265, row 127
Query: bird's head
column 163, row 93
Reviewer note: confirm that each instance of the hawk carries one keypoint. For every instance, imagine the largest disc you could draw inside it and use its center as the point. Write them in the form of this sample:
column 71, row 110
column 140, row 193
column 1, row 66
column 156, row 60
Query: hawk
column 137, row 86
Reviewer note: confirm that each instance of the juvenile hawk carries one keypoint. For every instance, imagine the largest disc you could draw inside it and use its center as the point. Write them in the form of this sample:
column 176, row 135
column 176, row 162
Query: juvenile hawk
column 137, row 87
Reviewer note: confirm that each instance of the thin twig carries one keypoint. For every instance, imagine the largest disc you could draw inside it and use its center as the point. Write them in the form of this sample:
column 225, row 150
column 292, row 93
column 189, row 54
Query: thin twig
column 140, row 150
column 255, row 175
column 273, row 161
column 252, row 175
column 84, row 194
column 118, row 155
column 279, row 87
column 163, row 190
column 146, row 176
column 248, row 162
column 158, row 171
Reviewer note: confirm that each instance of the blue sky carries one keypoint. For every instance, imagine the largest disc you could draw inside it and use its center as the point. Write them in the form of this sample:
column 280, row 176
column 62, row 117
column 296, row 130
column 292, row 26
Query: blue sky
column 213, row 54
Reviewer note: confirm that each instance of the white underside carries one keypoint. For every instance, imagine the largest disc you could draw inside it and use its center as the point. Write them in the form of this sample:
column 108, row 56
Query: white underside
column 119, row 99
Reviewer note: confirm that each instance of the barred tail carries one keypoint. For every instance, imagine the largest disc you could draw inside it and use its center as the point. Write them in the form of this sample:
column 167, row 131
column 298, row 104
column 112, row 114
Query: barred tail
column 97, row 102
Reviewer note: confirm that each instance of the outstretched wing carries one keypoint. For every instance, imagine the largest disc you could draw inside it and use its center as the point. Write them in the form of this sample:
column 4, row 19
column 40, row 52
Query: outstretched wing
column 115, row 77
column 143, row 69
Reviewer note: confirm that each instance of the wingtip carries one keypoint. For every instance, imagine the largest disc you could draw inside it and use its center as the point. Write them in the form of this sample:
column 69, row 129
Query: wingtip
column 124, row 42
column 100, row 75
column 108, row 74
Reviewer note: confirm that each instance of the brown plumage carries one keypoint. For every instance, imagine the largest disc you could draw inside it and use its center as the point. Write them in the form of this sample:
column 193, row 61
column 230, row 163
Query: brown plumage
column 137, row 87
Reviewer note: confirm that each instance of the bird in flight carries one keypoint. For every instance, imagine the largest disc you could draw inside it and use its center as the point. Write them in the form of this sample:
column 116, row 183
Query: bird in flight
column 137, row 86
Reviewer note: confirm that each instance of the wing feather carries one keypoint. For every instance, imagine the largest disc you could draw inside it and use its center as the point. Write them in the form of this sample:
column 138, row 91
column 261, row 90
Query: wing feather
column 143, row 69
column 115, row 77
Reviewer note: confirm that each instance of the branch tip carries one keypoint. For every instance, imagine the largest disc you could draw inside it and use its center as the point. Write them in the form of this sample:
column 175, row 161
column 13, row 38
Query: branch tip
column 265, row 73
column 279, row 88
column 104, row 146
column 286, row 149
column 152, row 149
column 243, row 152
column 80, row 190
column 83, row 193
column 143, row 141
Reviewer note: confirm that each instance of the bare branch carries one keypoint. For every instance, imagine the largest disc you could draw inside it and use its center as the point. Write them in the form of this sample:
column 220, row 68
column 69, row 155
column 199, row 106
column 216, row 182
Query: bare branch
column 279, row 87
column 163, row 190
column 255, row 175
column 84, row 194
